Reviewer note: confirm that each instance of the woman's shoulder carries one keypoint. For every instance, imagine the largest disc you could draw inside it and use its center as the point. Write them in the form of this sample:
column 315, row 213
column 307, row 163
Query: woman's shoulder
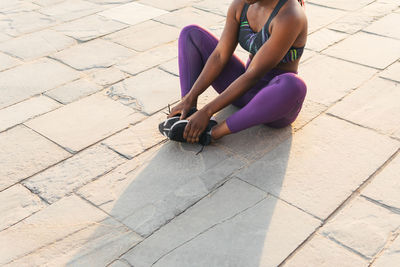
column 236, row 8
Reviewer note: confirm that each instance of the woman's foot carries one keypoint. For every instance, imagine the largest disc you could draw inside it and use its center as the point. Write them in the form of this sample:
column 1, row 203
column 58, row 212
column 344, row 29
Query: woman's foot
column 177, row 129
column 220, row 131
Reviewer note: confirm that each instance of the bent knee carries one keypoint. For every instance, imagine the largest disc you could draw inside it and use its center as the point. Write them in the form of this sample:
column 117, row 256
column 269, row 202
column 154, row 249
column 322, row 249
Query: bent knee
column 293, row 83
column 189, row 28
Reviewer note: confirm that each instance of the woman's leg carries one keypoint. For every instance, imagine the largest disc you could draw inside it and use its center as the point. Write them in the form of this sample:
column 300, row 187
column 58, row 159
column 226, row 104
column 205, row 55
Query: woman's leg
column 195, row 46
column 276, row 105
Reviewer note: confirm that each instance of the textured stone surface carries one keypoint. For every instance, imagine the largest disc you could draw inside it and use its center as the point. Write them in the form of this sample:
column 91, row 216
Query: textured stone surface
column 25, row 23
column 119, row 263
column 309, row 111
column 95, row 54
column 323, row 252
column 153, row 188
column 384, row 26
column 124, row 13
column 16, row 6
column 25, row 110
column 323, row 38
column 362, row 226
column 129, row 37
column 24, row 81
column 393, row 72
column 96, row 245
column 139, row 91
column 263, row 235
column 84, row 122
column 108, row 76
column 322, row 154
column 71, row 9
column 17, row 203
column 185, row 16
column 367, row 54
column 63, row 178
column 219, row 7
column 342, row 4
column 137, row 138
column 375, row 105
column 336, row 79
column 48, row 225
column 169, row 5
column 89, row 28
column 171, row 66
column 391, row 257
column 3, row 36
column 73, row 91
column 23, row 153
column 41, row 44
column 319, row 17
column 8, row 62
column 229, row 200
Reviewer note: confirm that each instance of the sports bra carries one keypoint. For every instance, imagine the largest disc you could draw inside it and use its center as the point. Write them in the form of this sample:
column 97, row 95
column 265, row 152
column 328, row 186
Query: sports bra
column 252, row 41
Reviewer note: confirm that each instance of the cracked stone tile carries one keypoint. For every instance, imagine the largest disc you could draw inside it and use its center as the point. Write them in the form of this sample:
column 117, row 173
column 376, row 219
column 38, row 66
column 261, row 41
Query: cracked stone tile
column 189, row 15
column 219, row 7
column 41, row 44
column 385, row 187
column 32, row 78
column 129, row 37
column 151, row 189
column 73, row 91
column 108, row 76
column 19, row 24
column 350, row 49
column 138, row 138
column 84, row 122
column 151, row 58
column 138, row 92
column 71, row 174
column 319, row 17
column 97, row 245
column 384, row 26
column 8, row 61
column 263, row 235
column 71, row 9
column 323, row 252
column 342, row 4
column 324, row 38
column 169, row 5
column 25, row 110
column 24, row 153
column 89, row 28
column 171, row 66
column 16, row 6
column 52, row 223
column 392, row 72
column 123, row 13
column 322, row 154
column 391, row 256
column 362, row 226
column 119, row 263
column 325, row 88
column 94, row 54
column 375, row 105
column 17, row 203
column 232, row 198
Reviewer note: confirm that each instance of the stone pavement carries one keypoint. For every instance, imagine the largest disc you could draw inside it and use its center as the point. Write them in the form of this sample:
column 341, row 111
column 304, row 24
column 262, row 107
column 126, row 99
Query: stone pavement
column 87, row 180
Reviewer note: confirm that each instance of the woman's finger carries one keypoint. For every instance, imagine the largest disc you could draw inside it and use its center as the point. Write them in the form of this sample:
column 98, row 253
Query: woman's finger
column 187, row 130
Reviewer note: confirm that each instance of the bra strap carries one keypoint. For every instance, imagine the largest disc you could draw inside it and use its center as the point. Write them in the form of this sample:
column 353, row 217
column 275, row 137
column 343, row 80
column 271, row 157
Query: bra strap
column 275, row 12
column 243, row 16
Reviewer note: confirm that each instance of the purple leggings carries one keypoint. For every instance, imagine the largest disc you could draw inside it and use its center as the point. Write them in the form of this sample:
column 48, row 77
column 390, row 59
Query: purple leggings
column 275, row 100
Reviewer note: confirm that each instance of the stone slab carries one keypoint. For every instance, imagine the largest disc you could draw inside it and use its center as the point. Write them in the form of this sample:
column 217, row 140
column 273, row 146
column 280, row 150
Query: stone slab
column 27, row 80
column 324, row 38
column 88, row 28
column 262, row 235
column 94, row 54
column 73, row 91
column 322, row 154
column 129, row 37
column 367, row 54
column 96, row 245
column 47, row 226
column 41, row 44
column 375, row 105
column 119, row 263
column 391, row 256
column 149, row 59
column 326, row 87
column 108, row 76
column 392, row 72
column 170, row 5
column 343, row 4
column 8, row 62
column 219, row 7
column 138, row 138
column 189, row 15
column 24, row 153
column 71, row 9
column 25, row 110
column 362, row 226
column 4, row 37
column 16, row 6
column 84, row 122
column 171, row 66
column 139, row 91
column 319, row 17
column 47, row 2
column 156, row 186
column 309, row 111
column 384, row 26
column 385, row 187
column 71, row 174
column 123, row 13
column 17, row 203
column 232, row 198
column 323, row 252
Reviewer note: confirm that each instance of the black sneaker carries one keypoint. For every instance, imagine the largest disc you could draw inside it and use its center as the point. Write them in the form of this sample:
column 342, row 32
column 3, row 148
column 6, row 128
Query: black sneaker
column 165, row 126
column 177, row 129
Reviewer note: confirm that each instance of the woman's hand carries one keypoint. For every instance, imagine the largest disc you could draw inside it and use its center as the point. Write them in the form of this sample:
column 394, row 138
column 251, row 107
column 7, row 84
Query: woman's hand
column 197, row 124
column 183, row 107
